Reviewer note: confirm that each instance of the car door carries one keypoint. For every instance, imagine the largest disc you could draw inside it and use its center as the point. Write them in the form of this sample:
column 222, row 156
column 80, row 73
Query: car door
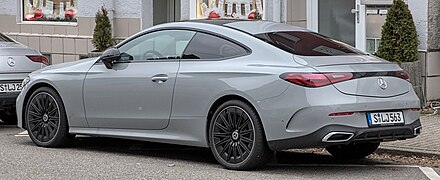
column 137, row 92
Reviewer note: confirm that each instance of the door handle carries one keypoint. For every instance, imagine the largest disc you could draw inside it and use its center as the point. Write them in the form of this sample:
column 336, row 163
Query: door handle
column 357, row 13
column 159, row 78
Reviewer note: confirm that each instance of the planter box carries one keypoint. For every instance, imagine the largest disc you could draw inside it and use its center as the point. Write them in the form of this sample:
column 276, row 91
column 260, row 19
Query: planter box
column 414, row 69
column 94, row 54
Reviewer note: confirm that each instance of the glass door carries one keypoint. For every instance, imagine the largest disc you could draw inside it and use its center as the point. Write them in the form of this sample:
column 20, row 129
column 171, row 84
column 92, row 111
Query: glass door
column 337, row 21
column 343, row 20
column 166, row 11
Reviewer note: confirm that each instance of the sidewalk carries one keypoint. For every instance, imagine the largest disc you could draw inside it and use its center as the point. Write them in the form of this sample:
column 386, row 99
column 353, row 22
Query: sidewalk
column 426, row 143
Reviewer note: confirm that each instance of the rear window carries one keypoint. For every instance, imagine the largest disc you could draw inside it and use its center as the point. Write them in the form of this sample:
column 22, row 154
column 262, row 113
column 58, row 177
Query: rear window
column 307, row 44
column 4, row 38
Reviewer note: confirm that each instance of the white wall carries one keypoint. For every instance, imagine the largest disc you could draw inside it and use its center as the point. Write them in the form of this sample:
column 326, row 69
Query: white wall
column 419, row 10
column 123, row 8
column 8, row 7
column 128, row 8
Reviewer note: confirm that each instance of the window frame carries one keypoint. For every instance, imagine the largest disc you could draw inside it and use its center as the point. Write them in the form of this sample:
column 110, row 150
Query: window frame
column 248, row 50
column 118, row 46
column 154, row 60
column 55, row 23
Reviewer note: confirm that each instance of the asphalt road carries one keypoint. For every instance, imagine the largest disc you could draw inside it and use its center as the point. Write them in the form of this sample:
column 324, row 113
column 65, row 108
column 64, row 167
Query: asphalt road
column 106, row 158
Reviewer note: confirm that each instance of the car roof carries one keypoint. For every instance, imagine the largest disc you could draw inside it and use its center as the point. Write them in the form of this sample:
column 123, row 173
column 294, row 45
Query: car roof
column 250, row 26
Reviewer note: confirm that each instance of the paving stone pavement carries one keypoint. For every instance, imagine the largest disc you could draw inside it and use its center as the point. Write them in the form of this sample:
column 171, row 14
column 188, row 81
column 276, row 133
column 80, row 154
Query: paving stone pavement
column 428, row 142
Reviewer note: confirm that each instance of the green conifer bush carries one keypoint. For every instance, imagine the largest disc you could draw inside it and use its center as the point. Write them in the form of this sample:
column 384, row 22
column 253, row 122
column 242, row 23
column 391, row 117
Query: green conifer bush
column 399, row 42
column 102, row 34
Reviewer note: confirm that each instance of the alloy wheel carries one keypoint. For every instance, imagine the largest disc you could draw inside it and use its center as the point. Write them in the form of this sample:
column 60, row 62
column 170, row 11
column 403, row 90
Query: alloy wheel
column 43, row 117
column 233, row 135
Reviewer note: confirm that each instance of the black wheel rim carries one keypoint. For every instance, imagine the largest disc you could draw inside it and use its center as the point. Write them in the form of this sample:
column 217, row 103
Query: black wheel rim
column 233, row 135
column 43, row 117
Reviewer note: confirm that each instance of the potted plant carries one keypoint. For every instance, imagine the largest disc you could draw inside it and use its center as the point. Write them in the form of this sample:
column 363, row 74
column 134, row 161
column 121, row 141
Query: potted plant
column 102, row 34
column 399, row 43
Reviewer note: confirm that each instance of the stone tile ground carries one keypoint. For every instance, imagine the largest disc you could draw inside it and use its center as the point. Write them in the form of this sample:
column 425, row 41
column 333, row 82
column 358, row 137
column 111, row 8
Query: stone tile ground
column 428, row 142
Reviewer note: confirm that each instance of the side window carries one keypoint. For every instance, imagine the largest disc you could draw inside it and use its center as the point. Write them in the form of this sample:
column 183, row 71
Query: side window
column 205, row 46
column 166, row 44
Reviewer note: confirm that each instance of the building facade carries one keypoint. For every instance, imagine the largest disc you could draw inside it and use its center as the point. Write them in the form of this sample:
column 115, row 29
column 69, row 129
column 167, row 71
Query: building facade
column 63, row 29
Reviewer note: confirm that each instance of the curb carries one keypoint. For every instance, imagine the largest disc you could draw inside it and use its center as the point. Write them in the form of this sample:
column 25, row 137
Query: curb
column 407, row 152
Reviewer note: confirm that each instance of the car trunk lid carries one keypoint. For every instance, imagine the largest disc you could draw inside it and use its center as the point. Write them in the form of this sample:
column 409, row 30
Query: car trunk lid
column 13, row 58
column 372, row 77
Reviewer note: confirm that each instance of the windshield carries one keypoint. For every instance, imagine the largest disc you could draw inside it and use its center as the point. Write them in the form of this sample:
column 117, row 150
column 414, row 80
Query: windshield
column 307, row 44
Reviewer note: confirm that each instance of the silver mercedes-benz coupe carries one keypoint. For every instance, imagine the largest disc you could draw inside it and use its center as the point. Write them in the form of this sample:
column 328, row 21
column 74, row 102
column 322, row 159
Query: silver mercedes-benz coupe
column 242, row 88
column 16, row 62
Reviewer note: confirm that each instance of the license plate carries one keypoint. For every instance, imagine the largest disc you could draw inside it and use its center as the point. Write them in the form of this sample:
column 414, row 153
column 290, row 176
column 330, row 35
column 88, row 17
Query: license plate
column 10, row 87
column 385, row 118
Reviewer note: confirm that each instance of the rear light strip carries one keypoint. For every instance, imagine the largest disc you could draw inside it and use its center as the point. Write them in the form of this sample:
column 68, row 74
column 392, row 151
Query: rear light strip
column 341, row 114
column 38, row 58
column 313, row 80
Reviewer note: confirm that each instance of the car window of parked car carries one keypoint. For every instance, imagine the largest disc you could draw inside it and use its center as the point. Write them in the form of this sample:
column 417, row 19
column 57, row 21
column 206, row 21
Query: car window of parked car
column 307, row 44
column 208, row 47
column 159, row 45
column 4, row 38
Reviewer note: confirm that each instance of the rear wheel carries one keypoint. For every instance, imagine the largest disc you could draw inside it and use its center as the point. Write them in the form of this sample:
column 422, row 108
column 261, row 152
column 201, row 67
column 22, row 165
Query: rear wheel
column 8, row 117
column 46, row 119
column 237, row 137
column 353, row 151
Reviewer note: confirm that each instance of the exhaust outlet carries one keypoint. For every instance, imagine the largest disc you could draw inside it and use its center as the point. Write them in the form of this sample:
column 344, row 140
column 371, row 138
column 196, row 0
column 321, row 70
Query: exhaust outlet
column 335, row 137
column 417, row 130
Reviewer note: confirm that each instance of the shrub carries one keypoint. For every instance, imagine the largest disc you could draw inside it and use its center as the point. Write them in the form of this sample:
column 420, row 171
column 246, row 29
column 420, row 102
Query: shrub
column 399, row 42
column 102, row 34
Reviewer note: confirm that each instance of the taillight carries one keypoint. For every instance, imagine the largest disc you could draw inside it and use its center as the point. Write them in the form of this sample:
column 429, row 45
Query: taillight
column 315, row 80
column 402, row 74
column 38, row 58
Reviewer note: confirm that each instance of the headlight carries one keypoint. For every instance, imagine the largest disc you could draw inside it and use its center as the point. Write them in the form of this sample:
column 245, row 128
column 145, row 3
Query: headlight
column 25, row 81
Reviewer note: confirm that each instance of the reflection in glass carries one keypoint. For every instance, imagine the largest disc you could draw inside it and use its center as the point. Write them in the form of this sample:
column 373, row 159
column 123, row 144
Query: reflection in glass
column 237, row 9
column 50, row 10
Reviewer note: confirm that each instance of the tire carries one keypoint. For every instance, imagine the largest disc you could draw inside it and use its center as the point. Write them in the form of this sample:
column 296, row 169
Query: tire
column 352, row 151
column 9, row 117
column 237, row 138
column 46, row 119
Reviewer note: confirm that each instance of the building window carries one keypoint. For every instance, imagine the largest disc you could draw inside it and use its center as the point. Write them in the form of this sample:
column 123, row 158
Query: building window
column 236, row 9
column 375, row 19
column 50, row 10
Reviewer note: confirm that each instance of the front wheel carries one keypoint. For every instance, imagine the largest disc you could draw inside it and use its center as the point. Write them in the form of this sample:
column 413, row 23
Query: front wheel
column 353, row 150
column 236, row 137
column 46, row 119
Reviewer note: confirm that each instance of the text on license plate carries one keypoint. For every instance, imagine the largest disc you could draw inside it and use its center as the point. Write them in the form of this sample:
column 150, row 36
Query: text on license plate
column 10, row 87
column 385, row 118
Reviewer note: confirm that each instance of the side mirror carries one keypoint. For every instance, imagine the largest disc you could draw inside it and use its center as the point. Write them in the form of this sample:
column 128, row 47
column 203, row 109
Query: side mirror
column 109, row 56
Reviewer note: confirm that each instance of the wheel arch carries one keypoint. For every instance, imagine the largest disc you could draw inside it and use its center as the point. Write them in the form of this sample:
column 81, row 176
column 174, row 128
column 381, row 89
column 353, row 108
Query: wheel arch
column 217, row 103
column 32, row 89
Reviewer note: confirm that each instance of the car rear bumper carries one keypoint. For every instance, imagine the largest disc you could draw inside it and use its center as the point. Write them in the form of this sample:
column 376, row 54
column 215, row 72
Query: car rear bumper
column 7, row 100
column 322, row 137
column 300, row 112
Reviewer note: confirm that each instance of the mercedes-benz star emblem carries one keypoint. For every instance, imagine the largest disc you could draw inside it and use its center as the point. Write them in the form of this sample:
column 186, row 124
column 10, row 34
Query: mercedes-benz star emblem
column 11, row 62
column 382, row 83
